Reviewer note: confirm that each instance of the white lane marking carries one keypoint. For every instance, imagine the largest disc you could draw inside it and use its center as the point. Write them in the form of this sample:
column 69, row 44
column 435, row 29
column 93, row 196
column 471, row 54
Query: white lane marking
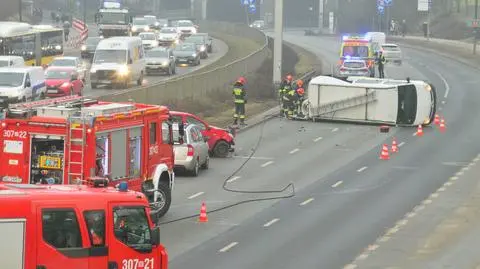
column 317, row 139
column 294, row 151
column 267, row 164
column 350, row 266
column 337, row 184
column 414, row 134
column 362, row 169
column 401, row 144
column 253, row 157
column 447, row 87
column 196, row 195
column 334, row 130
column 233, row 179
column 309, row 200
column 270, row 222
column 228, row 247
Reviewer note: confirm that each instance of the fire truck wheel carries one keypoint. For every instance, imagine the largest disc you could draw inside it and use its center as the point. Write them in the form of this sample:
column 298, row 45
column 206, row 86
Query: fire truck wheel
column 164, row 200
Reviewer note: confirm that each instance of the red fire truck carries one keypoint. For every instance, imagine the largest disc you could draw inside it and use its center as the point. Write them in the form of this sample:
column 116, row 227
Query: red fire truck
column 66, row 140
column 77, row 227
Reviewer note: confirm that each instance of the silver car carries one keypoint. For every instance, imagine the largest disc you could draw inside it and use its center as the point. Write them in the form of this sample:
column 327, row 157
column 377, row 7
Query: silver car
column 392, row 53
column 354, row 68
column 192, row 154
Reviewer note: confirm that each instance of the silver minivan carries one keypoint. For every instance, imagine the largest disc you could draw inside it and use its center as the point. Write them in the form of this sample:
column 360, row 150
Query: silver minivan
column 192, row 154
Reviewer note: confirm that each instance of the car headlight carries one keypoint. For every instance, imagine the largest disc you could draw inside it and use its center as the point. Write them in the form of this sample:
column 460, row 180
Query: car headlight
column 147, row 28
column 84, row 47
column 134, row 29
column 428, row 87
column 176, row 41
column 194, row 55
column 202, row 48
column 65, row 85
column 157, row 23
column 165, row 63
column 123, row 70
column 194, row 30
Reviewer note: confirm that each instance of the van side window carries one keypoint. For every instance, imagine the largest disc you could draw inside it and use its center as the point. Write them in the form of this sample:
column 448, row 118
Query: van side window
column 95, row 221
column 60, row 228
column 153, row 133
column 27, row 78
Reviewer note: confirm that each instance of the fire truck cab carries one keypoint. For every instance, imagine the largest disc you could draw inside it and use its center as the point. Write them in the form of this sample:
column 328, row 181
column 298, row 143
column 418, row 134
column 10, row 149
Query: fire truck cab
column 65, row 140
column 77, row 227
column 358, row 47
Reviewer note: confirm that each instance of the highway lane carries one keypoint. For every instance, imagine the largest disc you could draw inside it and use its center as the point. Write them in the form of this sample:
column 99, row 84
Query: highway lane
column 373, row 194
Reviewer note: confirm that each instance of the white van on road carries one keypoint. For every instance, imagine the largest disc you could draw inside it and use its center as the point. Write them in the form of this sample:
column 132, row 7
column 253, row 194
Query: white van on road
column 19, row 84
column 118, row 61
column 12, row 61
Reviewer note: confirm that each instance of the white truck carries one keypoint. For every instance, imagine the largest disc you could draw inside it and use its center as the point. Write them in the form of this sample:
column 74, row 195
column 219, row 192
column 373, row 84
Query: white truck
column 113, row 21
column 370, row 100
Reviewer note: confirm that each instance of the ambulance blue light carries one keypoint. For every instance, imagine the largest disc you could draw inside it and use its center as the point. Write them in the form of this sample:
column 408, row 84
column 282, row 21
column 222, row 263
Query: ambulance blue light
column 123, row 186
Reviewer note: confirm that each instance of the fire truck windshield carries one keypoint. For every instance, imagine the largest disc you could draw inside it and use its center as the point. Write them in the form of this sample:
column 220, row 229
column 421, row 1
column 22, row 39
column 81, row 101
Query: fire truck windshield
column 132, row 227
column 355, row 51
column 11, row 79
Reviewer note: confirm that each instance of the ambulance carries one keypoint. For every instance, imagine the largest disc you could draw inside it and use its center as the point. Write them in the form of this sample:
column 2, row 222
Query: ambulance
column 359, row 48
column 66, row 140
column 78, row 226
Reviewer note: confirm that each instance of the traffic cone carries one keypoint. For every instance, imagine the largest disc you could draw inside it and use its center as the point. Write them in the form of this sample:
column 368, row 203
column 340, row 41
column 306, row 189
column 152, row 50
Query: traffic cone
column 203, row 213
column 394, row 145
column 437, row 120
column 420, row 130
column 384, row 155
column 442, row 126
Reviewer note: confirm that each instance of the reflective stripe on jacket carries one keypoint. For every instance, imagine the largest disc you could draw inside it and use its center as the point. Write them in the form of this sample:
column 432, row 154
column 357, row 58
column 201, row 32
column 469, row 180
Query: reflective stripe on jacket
column 239, row 94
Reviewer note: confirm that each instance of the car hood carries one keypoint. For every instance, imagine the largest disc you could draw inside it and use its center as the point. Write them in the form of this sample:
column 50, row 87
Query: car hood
column 55, row 82
column 186, row 28
column 156, row 59
column 113, row 26
column 149, row 42
column 167, row 36
column 106, row 66
column 183, row 53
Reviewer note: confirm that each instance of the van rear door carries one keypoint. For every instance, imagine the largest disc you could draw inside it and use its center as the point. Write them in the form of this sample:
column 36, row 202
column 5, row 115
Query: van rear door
column 12, row 245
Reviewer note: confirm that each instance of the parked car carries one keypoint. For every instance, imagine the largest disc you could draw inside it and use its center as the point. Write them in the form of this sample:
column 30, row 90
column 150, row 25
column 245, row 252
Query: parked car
column 186, row 27
column 88, row 48
column 160, row 60
column 192, row 154
column 200, row 42
column 70, row 61
column 220, row 143
column 62, row 81
column 169, row 36
column 354, row 67
column 187, row 53
column 149, row 40
column 208, row 41
column 392, row 53
column 139, row 25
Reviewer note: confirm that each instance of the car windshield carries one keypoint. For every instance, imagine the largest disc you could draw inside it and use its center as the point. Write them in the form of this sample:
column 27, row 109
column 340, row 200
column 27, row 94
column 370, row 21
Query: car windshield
column 195, row 39
column 93, row 41
column 355, row 51
column 185, row 23
column 157, row 54
column 63, row 62
column 57, row 74
column 150, row 20
column 3, row 63
column 390, row 47
column 185, row 47
column 110, row 56
column 354, row 64
column 147, row 36
column 113, row 18
column 168, row 31
column 11, row 79
column 140, row 21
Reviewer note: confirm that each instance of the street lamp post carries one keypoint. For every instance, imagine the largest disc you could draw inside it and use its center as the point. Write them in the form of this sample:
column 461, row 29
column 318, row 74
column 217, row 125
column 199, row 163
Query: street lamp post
column 84, row 14
column 20, row 7
column 475, row 32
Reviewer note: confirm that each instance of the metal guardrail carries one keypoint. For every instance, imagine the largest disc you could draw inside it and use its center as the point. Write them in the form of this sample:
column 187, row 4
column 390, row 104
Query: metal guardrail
column 202, row 84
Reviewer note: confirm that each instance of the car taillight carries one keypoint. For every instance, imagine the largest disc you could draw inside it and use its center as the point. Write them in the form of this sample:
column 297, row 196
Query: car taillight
column 190, row 151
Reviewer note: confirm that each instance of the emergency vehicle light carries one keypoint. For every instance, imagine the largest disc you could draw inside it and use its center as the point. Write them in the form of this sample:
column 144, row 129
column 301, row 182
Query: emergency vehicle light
column 122, row 186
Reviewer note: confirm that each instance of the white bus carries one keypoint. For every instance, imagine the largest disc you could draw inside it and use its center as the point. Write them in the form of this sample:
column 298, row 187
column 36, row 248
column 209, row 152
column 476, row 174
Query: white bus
column 370, row 100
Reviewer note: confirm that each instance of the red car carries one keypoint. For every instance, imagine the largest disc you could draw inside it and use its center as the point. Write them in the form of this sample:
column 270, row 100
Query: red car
column 220, row 141
column 62, row 81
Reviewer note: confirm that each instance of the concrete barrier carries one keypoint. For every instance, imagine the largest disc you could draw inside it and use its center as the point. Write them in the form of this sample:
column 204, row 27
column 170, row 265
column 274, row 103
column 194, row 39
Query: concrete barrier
column 203, row 84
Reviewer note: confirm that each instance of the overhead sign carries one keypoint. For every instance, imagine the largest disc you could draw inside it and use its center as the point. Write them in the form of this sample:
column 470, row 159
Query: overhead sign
column 111, row 5
column 423, row 5
column 252, row 9
column 247, row 2
column 388, row 2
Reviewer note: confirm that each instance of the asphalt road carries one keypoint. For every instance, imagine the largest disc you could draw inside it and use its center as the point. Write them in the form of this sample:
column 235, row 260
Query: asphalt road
column 345, row 196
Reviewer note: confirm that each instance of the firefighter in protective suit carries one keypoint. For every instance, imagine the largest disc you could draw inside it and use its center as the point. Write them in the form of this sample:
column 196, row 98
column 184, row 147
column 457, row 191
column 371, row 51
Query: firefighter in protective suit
column 289, row 99
column 240, row 99
column 285, row 87
column 300, row 95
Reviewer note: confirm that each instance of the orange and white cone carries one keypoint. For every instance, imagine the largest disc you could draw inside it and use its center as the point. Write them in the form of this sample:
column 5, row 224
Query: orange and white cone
column 442, row 126
column 394, row 145
column 203, row 213
column 436, row 121
column 419, row 130
column 384, row 154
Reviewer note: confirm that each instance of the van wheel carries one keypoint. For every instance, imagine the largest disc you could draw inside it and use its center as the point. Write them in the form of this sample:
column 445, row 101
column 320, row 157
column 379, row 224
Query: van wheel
column 206, row 165
column 164, row 201
column 221, row 149
column 196, row 169
column 140, row 80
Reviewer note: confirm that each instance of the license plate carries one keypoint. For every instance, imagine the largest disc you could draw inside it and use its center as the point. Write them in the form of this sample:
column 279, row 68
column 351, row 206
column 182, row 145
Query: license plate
column 182, row 60
column 153, row 67
column 51, row 91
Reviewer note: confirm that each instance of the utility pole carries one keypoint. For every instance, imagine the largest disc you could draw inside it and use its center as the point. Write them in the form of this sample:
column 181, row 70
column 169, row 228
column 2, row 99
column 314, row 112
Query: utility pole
column 475, row 32
column 84, row 14
column 278, row 41
column 20, row 7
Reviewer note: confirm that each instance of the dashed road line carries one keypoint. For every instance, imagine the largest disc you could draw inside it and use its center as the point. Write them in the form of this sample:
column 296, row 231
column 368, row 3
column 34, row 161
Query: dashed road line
column 309, row 200
column 362, row 169
column 294, row 151
column 401, row 144
column 228, row 247
column 270, row 223
column 334, row 130
column 267, row 164
column 317, row 139
column 233, row 179
column 196, row 195
column 337, row 184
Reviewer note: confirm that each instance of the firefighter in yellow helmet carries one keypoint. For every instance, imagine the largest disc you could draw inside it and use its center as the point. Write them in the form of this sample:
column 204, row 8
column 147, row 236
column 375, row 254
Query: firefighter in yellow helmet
column 240, row 99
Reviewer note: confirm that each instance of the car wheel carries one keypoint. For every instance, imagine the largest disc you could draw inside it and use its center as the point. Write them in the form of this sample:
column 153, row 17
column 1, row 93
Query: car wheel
column 198, row 62
column 206, row 165
column 93, row 85
column 169, row 72
column 196, row 169
column 174, row 69
column 140, row 80
column 221, row 149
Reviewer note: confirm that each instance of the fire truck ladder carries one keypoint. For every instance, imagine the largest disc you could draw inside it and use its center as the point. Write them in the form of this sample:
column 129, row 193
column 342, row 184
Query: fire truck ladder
column 76, row 147
column 29, row 107
column 345, row 103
